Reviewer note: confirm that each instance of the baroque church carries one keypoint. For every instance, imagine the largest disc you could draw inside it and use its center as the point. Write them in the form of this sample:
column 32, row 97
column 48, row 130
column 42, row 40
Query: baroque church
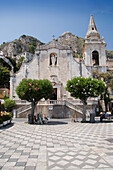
column 55, row 62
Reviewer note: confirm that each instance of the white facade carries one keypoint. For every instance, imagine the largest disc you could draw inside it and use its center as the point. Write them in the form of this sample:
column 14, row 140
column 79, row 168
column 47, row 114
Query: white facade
column 94, row 51
column 55, row 62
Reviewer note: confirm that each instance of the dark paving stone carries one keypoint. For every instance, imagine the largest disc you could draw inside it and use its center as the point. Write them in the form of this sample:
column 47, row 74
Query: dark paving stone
column 5, row 156
column 25, row 153
column 20, row 163
column 110, row 148
column 109, row 153
column 100, row 146
column 110, row 140
column 33, row 156
column 12, row 148
column 2, row 153
column 30, row 168
column 12, row 160
column 18, row 151
column 50, row 146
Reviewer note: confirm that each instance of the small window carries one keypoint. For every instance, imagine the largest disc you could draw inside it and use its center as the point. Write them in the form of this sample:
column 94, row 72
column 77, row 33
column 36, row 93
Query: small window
column 95, row 58
column 92, row 28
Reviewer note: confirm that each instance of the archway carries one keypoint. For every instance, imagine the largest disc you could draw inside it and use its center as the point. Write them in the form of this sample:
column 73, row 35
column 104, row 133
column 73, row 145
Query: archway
column 95, row 58
column 7, row 61
column 11, row 76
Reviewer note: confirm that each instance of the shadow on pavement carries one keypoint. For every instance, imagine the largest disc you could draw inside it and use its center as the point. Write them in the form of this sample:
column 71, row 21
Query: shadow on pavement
column 56, row 123
column 7, row 126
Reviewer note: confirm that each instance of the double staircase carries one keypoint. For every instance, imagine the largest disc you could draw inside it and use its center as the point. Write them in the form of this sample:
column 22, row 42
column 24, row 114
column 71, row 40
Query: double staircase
column 75, row 106
column 26, row 109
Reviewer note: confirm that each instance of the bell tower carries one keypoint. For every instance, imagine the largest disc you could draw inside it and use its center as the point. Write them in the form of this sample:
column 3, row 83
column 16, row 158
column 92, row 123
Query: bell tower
column 94, row 49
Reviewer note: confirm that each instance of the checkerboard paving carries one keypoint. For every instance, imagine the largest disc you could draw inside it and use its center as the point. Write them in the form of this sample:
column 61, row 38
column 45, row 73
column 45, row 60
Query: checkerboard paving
column 59, row 145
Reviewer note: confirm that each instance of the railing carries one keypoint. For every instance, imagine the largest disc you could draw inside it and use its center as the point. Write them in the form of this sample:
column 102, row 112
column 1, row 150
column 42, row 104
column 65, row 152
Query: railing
column 23, row 108
column 73, row 106
column 59, row 102
column 21, row 102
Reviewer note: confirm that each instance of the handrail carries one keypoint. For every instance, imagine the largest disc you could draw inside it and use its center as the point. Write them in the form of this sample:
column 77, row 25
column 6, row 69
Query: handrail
column 75, row 107
column 71, row 104
column 23, row 108
column 61, row 102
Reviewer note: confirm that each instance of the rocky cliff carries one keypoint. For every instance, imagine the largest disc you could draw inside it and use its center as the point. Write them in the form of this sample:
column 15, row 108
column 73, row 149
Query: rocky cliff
column 24, row 43
column 29, row 44
column 75, row 42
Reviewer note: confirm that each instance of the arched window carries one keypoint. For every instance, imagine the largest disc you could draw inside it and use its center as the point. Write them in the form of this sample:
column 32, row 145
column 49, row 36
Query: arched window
column 95, row 58
column 53, row 59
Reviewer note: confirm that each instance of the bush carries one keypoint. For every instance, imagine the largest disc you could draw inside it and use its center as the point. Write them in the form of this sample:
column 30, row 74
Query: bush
column 5, row 116
column 1, row 120
column 9, row 104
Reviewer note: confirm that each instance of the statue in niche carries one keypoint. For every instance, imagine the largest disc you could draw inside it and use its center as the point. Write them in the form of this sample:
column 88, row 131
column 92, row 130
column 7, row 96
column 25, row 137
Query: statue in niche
column 53, row 59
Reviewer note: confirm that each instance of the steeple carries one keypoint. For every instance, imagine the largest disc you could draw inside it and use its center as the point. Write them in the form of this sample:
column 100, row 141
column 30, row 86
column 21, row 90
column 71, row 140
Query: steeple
column 92, row 30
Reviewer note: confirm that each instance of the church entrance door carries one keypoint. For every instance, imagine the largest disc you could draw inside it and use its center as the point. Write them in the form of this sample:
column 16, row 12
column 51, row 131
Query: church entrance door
column 54, row 97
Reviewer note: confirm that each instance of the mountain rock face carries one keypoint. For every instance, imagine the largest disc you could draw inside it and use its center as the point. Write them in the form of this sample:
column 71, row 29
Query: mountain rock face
column 109, row 54
column 24, row 43
column 75, row 42
column 29, row 44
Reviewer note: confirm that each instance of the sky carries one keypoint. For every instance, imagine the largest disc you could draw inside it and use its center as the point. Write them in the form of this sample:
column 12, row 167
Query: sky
column 44, row 18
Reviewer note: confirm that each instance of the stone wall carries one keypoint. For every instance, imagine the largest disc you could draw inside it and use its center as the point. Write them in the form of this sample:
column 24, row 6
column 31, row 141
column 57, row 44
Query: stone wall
column 53, row 111
column 40, row 68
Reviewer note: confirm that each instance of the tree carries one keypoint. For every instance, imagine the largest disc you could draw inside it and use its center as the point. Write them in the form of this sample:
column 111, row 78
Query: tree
column 33, row 91
column 19, row 63
column 83, row 88
column 107, row 78
column 4, row 77
column 9, row 104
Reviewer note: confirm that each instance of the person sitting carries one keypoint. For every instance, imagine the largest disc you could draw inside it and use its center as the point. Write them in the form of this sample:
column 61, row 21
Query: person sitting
column 40, row 118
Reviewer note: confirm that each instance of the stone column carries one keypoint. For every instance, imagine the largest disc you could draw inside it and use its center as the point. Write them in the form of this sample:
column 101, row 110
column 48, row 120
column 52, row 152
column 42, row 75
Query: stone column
column 11, row 85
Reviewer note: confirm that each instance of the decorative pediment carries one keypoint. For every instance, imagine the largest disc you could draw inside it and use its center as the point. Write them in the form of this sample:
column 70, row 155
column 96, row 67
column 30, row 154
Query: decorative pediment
column 53, row 44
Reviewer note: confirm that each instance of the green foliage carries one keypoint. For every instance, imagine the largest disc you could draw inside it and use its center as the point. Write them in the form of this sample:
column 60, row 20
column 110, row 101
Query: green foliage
column 23, row 36
column 32, row 46
column 34, row 90
column 5, row 97
column 12, row 61
column 19, row 63
column 1, row 120
column 5, row 116
column 4, row 77
column 83, row 88
column 77, row 56
column 109, row 54
column 108, row 80
column 32, row 49
column 9, row 104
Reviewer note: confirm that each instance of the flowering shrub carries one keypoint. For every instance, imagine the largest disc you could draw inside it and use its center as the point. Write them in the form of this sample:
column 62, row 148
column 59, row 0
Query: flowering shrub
column 34, row 90
column 9, row 104
column 5, row 116
column 1, row 120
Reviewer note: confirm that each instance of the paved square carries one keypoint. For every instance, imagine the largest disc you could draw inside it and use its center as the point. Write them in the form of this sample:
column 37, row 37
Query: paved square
column 59, row 145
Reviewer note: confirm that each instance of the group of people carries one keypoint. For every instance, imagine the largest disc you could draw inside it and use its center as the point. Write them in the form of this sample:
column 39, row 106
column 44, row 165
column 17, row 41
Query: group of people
column 41, row 119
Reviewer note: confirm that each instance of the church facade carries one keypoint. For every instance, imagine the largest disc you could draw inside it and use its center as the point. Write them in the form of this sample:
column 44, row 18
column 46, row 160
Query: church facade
column 55, row 62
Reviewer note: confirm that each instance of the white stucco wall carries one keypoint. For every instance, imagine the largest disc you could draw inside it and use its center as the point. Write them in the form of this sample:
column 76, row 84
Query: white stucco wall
column 40, row 68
